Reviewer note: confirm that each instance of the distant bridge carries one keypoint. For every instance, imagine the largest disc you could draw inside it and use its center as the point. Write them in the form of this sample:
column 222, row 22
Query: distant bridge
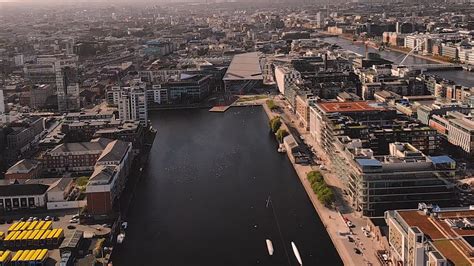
column 427, row 67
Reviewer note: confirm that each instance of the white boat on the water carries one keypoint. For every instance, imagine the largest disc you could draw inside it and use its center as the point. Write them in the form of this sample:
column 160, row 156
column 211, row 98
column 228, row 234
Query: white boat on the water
column 297, row 253
column 269, row 247
column 120, row 238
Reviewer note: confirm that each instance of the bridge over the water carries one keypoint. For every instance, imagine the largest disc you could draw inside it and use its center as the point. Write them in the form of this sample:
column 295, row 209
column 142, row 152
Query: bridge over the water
column 427, row 67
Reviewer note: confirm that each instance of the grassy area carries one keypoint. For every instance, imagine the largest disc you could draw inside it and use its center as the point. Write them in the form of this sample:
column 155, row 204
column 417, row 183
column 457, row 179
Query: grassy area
column 251, row 98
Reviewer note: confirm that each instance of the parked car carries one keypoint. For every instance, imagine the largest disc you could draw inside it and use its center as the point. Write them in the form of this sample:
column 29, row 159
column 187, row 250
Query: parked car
column 349, row 223
column 357, row 251
column 367, row 234
column 74, row 221
column 350, row 238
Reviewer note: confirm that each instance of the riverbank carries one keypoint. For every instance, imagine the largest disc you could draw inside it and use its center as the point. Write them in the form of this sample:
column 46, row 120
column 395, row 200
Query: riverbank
column 331, row 219
column 373, row 45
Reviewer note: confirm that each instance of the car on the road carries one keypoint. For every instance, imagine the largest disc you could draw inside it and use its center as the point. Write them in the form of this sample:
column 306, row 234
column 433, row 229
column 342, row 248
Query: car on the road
column 349, row 223
column 357, row 251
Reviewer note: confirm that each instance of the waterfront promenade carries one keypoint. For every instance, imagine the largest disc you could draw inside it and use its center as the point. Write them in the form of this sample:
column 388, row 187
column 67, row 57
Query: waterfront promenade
column 332, row 219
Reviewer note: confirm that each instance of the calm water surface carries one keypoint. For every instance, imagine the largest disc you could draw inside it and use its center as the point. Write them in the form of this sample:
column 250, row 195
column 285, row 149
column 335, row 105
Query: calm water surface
column 459, row 76
column 202, row 199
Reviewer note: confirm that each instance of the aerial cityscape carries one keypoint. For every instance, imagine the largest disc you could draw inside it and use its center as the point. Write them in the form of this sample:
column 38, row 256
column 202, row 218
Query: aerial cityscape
column 236, row 132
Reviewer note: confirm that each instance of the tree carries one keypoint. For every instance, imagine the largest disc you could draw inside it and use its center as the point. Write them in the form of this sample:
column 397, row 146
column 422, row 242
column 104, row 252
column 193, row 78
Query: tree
column 271, row 105
column 281, row 133
column 314, row 176
column 82, row 181
column 275, row 124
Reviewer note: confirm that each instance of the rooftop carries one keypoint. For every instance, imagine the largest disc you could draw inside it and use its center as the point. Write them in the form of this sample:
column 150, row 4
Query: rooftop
column 23, row 166
column 114, row 151
column 356, row 106
column 244, row 67
column 94, row 145
column 22, row 190
column 445, row 232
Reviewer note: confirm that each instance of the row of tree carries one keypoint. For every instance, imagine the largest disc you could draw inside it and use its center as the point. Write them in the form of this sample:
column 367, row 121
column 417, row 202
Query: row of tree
column 275, row 124
column 321, row 189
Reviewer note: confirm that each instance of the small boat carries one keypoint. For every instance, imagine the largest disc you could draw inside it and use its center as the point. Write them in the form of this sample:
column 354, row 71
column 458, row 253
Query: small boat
column 297, row 253
column 269, row 247
column 120, row 238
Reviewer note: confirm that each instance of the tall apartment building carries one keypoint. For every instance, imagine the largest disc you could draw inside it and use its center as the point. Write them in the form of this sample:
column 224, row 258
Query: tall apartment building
column 67, row 86
column 401, row 179
column 284, row 77
column 2, row 103
column 367, row 112
column 460, row 131
column 133, row 104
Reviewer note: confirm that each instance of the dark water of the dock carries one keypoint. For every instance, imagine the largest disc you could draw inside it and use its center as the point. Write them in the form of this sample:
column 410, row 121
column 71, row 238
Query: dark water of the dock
column 202, row 198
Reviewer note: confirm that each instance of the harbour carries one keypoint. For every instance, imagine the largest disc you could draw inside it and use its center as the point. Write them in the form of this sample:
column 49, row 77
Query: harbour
column 202, row 199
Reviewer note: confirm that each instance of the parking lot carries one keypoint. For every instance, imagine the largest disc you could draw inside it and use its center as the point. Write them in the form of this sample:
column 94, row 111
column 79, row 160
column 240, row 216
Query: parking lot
column 63, row 220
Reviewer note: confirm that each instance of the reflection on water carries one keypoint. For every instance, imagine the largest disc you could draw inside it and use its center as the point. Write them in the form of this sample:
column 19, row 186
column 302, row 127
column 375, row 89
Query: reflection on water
column 202, row 199
column 459, row 76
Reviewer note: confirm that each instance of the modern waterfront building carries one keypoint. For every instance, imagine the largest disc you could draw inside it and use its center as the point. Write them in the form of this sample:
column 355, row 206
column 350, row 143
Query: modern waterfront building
column 457, row 127
column 133, row 105
column 399, row 179
column 109, row 177
column 285, row 76
column 431, row 235
column 368, row 112
column 244, row 73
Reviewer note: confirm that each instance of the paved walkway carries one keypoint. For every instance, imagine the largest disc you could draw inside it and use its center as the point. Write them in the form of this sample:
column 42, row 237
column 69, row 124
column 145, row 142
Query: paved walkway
column 332, row 219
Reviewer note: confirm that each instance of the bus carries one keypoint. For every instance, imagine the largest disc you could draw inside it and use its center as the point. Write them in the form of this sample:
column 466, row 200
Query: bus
column 5, row 257
column 32, row 237
column 58, row 236
column 24, row 239
column 12, row 227
column 49, row 238
column 19, row 238
column 24, row 255
column 39, row 225
column 42, row 257
column 32, row 225
column 17, row 256
column 42, row 237
column 25, row 225
column 18, row 226
column 14, row 237
column 47, row 225
column 35, row 256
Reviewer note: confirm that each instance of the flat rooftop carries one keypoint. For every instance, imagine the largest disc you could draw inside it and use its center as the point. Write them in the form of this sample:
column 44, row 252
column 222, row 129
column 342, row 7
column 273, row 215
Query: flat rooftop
column 244, row 67
column 451, row 241
column 356, row 106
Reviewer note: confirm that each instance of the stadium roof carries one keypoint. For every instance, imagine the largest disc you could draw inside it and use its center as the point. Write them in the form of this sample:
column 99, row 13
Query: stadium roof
column 244, row 67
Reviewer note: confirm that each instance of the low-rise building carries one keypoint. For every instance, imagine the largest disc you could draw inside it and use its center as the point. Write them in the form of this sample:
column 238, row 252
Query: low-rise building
column 24, row 169
column 431, row 235
column 75, row 157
